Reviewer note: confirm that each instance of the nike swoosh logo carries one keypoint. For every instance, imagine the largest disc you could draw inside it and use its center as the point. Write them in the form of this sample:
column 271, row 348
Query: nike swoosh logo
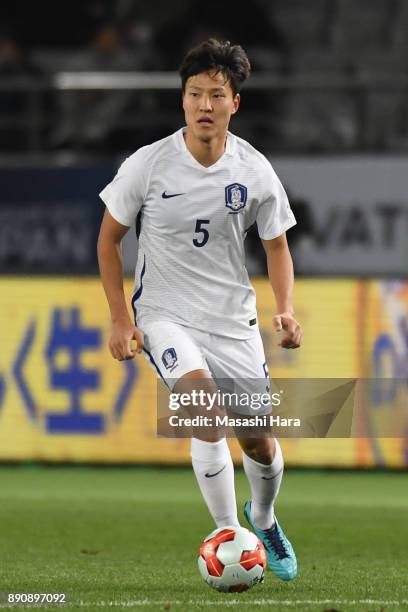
column 272, row 477
column 170, row 195
column 216, row 473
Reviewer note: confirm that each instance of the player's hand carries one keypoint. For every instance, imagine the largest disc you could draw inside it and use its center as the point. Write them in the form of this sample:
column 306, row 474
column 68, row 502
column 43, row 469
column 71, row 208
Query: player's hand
column 126, row 340
column 285, row 321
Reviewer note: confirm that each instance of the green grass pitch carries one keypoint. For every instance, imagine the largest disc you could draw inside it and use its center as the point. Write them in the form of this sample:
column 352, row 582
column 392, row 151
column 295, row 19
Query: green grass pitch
column 127, row 538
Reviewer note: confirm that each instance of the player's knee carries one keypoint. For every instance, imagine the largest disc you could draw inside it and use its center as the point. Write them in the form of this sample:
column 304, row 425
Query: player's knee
column 190, row 378
column 261, row 450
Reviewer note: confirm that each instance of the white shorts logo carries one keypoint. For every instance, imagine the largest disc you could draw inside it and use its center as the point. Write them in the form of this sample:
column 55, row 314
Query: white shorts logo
column 169, row 359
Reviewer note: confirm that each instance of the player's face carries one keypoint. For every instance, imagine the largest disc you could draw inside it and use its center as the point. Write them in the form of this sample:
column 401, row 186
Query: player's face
column 208, row 103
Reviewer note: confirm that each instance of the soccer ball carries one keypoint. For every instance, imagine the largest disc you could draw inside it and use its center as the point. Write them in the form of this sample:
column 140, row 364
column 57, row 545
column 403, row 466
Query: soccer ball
column 232, row 559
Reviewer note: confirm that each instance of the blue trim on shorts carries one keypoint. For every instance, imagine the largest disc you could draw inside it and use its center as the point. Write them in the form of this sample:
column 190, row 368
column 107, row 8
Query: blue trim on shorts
column 139, row 291
column 136, row 297
column 152, row 361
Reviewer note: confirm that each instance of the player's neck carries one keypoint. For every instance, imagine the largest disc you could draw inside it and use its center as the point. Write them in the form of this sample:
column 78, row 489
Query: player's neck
column 208, row 152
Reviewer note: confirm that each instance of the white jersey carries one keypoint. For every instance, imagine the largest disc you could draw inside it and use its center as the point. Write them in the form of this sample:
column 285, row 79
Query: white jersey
column 191, row 260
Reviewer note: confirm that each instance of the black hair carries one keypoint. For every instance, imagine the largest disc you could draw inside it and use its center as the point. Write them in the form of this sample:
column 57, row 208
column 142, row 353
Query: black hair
column 214, row 55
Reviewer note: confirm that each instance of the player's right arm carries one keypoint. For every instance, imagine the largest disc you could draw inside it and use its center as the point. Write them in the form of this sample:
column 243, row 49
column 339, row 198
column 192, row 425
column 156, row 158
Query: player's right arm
column 111, row 271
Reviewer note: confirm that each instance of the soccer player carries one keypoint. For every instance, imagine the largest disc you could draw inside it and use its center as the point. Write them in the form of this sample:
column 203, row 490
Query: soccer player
column 198, row 191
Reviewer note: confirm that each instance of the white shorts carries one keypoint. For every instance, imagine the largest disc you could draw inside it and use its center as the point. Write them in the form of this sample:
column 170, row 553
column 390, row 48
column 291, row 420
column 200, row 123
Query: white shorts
column 173, row 350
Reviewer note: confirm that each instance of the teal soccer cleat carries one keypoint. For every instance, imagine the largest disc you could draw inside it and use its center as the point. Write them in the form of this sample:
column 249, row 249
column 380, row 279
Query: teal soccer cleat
column 279, row 551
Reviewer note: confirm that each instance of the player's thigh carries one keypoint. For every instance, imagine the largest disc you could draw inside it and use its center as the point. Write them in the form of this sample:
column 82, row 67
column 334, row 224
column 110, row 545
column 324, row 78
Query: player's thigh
column 239, row 366
column 178, row 359
column 238, row 358
column 171, row 351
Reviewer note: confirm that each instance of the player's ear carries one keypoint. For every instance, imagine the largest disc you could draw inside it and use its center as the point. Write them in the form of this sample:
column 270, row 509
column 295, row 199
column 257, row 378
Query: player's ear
column 236, row 101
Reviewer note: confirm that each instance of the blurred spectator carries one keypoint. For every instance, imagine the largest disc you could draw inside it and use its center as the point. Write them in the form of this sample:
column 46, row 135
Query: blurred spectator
column 398, row 137
column 15, row 100
column 61, row 24
column 227, row 20
column 317, row 120
column 87, row 117
column 13, row 59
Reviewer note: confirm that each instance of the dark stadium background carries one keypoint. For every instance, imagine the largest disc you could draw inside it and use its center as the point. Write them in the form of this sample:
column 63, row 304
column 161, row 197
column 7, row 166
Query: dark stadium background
column 83, row 85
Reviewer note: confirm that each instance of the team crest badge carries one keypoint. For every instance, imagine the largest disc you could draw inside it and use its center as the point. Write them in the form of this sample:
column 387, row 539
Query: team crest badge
column 169, row 359
column 235, row 196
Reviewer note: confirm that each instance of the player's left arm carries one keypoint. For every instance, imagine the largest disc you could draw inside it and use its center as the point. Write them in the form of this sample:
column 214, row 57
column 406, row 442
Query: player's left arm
column 281, row 276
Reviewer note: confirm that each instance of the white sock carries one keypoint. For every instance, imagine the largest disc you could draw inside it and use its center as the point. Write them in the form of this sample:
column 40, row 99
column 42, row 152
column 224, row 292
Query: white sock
column 265, row 481
column 214, row 471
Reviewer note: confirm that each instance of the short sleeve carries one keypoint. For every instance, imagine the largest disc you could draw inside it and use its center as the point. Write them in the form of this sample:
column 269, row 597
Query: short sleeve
column 124, row 196
column 274, row 215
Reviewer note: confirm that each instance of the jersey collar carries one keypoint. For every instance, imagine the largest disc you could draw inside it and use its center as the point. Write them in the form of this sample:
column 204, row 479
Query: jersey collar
column 181, row 146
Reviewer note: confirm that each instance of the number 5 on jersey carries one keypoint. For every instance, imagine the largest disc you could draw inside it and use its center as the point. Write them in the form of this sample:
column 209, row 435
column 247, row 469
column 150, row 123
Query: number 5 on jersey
column 199, row 229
